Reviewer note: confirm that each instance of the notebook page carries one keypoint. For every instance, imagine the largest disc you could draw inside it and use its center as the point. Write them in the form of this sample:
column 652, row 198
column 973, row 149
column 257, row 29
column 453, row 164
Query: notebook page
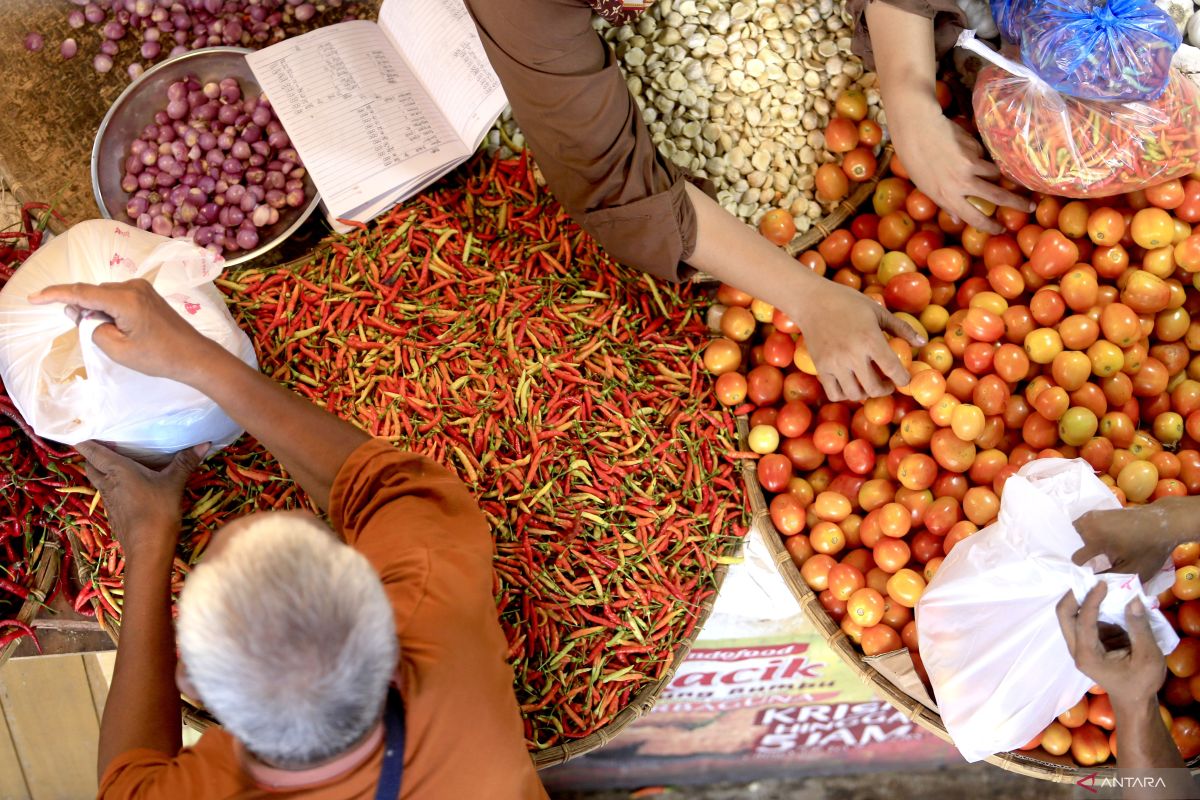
column 439, row 41
column 361, row 121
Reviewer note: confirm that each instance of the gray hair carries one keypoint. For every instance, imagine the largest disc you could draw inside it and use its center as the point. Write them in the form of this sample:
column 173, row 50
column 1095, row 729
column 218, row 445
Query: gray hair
column 289, row 639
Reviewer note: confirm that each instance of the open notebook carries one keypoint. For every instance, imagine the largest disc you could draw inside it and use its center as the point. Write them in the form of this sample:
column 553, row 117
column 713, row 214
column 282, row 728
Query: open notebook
column 378, row 111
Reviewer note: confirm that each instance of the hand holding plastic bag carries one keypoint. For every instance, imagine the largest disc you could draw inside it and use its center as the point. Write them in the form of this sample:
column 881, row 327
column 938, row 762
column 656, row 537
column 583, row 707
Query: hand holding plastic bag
column 1118, row 50
column 1060, row 145
column 989, row 634
column 68, row 390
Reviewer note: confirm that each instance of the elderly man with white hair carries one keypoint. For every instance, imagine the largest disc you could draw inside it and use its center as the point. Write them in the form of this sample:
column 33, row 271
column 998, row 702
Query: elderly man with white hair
column 366, row 661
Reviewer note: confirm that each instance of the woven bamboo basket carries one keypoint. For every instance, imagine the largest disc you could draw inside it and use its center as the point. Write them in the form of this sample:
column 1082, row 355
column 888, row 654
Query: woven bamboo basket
column 47, row 561
column 198, row 719
column 842, row 212
column 834, row 219
column 642, row 702
column 1034, row 764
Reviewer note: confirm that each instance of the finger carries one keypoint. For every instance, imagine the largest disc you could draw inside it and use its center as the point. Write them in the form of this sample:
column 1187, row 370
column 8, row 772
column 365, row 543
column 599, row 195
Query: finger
column 185, row 462
column 890, row 365
column 106, row 298
column 1066, row 609
column 852, row 388
column 833, row 390
column 871, row 381
column 971, row 215
column 1001, row 197
column 1087, row 636
column 1141, row 636
column 894, row 325
column 99, row 456
column 98, row 479
column 1085, row 554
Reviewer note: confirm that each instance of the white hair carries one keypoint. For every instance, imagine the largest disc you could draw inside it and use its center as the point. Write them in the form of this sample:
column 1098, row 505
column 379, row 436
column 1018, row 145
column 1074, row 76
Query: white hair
column 289, row 639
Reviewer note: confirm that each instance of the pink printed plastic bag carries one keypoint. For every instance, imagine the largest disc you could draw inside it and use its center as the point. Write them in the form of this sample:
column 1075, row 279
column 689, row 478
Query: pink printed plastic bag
column 68, row 390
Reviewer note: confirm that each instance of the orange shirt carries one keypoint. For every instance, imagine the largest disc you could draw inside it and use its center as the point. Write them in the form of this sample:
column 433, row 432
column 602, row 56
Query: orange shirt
column 422, row 531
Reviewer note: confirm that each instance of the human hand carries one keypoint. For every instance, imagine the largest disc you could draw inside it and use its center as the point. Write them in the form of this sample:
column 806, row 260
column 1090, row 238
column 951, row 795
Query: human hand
column 1130, row 675
column 1135, row 540
column 143, row 504
column 146, row 334
column 843, row 331
column 947, row 163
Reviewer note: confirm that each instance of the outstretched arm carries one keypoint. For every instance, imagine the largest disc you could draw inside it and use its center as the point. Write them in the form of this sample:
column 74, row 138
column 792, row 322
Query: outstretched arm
column 149, row 336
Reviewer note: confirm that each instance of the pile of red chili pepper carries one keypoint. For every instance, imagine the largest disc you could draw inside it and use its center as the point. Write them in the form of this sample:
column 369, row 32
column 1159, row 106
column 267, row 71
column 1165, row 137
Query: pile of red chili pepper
column 32, row 483
column 478, row 325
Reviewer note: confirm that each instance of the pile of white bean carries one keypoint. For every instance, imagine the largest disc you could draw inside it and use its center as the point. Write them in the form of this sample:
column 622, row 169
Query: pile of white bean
column 740, row 93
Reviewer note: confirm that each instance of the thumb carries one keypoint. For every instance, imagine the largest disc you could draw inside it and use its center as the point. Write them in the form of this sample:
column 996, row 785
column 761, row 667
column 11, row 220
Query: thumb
column 1086, row 554
column 1141, row 636
column 108, row 338
column 894, row 325
column 185, row 462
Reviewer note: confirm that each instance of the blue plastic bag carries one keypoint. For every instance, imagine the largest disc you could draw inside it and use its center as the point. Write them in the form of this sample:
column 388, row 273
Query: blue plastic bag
column 1010, row 18
column 1120, row 50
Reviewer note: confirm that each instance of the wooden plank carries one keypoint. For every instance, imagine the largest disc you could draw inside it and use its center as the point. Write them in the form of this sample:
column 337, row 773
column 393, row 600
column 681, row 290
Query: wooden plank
column 98, row 680
column 12, row 776
column 52, row 719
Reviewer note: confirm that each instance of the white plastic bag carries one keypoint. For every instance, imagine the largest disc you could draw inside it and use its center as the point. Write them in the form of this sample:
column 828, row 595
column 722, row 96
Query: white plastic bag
column 988, row 631
column 67, row 389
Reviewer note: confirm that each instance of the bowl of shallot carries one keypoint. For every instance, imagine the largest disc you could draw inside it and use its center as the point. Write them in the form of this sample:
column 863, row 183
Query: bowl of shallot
column 193, row 150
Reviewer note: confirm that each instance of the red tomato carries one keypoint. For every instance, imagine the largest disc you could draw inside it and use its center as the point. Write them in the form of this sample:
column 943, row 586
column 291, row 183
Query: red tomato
column 1053, row 254
column 765, row 385
column 830, row 437
column 909, row 291
column 1186, row 733
column 891, row 554
column 948, row 263
column 787, row 514
column 1184, row 660
column 794, row 419
column 778, row 351
column 859, row 164
column 860, row 456
column 865, row 607
column 880, row 639
column 845, row 580
column 1089, row 745
column 774, row 472
column 841, row 136
column 777, row 226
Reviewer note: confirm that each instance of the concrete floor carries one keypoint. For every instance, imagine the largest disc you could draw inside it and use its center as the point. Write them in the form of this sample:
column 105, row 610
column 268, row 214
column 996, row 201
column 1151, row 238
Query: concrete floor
column 974, row 782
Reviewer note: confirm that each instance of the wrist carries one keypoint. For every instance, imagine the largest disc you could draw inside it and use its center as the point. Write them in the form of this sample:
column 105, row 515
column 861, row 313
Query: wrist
column 150, row 548
column 1134, row 707
column 206, row 365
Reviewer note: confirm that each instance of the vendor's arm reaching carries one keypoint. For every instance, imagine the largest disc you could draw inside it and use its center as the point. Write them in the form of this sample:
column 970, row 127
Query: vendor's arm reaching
column 944, row 161
column 310, row 443
column 587, row 134
column 142, row 711
column 1139, row 539
column 1132, row 677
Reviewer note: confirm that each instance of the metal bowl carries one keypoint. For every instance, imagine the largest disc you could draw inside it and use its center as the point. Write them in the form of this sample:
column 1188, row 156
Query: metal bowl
column 135, row 109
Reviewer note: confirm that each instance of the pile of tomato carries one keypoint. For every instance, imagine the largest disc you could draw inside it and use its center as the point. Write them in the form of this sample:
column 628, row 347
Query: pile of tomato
column 1069, row 335
column 855, row 139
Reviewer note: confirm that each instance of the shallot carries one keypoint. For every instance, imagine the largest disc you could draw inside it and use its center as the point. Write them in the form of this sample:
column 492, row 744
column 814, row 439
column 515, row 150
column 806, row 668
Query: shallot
column 163, row 28
column 203, row 170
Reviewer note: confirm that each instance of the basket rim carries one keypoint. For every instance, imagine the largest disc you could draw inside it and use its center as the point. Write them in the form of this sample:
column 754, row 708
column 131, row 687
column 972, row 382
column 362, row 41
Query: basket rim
column 48, row 563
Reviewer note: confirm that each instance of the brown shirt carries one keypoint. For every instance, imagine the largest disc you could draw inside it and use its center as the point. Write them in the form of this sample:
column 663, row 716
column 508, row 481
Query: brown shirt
column 948, row 21
column 422, row 531
column 586, row 132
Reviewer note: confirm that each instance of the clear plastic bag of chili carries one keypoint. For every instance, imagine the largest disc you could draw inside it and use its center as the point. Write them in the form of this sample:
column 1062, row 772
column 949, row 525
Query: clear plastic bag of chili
column 1060, row 145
